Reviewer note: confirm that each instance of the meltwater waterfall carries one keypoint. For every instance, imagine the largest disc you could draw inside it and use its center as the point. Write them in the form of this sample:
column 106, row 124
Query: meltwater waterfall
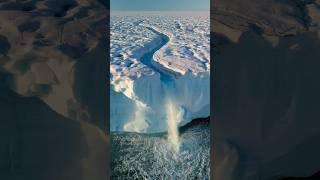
column 174, row 116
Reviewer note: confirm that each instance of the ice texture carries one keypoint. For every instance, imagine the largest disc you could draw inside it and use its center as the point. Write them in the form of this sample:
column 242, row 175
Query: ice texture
column 178, row 69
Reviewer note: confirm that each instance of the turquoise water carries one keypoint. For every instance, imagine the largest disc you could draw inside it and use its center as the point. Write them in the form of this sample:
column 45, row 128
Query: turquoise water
column 148, row 156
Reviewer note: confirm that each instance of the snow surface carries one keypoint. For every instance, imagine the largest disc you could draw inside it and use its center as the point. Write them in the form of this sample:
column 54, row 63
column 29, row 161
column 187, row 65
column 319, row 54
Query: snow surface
column 138, row 90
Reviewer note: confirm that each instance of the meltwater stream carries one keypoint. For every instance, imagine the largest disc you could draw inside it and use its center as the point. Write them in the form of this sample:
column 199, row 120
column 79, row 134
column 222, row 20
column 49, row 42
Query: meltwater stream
column 147, row 58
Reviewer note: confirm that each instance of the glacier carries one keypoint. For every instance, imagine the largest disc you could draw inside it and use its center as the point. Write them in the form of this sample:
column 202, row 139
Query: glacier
column 155, row 59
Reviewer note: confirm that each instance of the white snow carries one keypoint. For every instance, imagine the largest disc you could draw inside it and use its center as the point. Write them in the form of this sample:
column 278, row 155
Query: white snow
column 138, row 91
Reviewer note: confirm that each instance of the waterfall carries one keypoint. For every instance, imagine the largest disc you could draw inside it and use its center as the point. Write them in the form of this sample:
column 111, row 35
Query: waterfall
column 174, row 116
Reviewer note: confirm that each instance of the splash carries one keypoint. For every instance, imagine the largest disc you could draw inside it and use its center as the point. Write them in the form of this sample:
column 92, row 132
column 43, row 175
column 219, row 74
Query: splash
column 138, row 123
column 174, row 116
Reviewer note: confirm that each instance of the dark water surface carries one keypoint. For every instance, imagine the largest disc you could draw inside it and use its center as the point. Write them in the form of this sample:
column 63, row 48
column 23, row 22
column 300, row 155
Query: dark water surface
column 150, row 156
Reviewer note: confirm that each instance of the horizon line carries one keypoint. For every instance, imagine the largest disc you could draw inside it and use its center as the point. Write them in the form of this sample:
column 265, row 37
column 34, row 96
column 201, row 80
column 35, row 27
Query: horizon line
column 160, row 10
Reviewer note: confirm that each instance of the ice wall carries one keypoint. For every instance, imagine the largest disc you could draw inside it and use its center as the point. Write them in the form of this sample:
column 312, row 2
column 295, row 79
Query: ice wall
column 143, row 110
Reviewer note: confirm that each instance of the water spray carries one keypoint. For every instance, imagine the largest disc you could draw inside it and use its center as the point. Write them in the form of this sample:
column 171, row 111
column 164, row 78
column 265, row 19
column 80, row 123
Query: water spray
column 174, row 117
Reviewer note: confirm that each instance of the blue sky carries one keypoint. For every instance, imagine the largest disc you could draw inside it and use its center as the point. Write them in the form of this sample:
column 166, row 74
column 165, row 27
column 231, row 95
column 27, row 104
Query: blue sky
column 160, row 5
